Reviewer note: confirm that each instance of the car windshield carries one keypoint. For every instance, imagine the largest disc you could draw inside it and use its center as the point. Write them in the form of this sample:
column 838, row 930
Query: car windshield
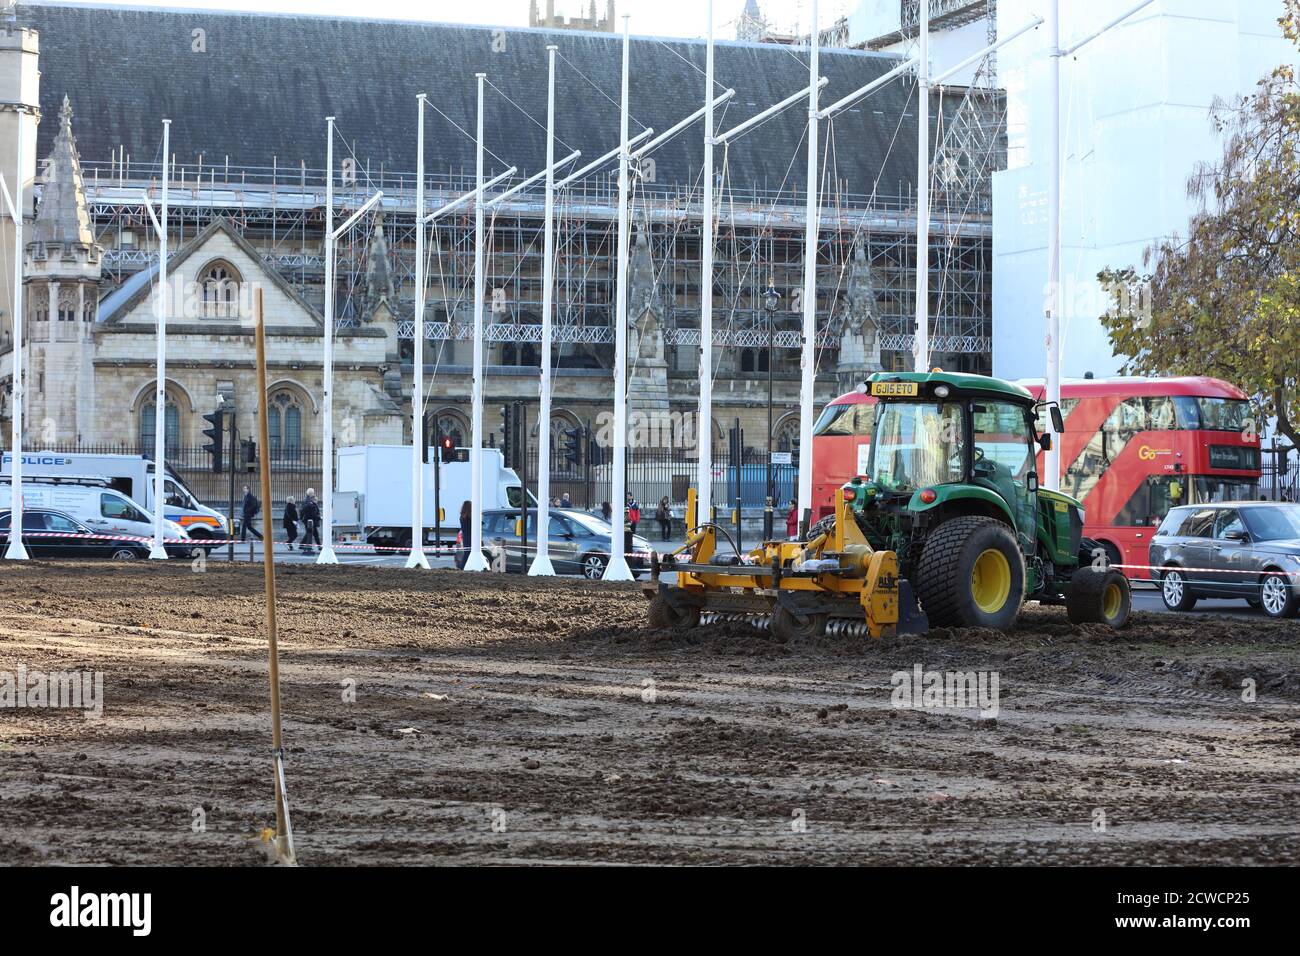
column 1275, row 523
column 917, row 445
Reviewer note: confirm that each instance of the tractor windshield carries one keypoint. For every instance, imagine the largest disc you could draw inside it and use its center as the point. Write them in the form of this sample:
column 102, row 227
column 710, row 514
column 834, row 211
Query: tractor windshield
column 917, row 445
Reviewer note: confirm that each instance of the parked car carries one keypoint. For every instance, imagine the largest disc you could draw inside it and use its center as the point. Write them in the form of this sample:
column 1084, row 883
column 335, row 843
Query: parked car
column 42, row 536
column 1241, row 549
column 579, row 542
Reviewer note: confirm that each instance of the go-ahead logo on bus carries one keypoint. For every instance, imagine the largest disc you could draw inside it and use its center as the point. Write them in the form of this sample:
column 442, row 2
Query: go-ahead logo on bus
column 1147, row 453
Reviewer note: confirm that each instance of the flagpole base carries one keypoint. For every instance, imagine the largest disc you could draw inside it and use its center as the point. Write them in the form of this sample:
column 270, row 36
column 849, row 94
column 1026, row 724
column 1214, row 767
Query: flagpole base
column 417, row 559
column 475, row 561
column 541, row 566
column 157, row 552
column 617, row 570
column 327, row 556
column 16, row 551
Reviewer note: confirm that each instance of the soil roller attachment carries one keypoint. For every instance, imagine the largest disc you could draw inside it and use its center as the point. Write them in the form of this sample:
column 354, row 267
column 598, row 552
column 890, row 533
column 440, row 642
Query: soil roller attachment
column 835, row 583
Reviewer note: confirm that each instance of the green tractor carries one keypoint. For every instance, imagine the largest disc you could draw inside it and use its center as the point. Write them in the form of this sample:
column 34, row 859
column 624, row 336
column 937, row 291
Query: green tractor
column 952, row 489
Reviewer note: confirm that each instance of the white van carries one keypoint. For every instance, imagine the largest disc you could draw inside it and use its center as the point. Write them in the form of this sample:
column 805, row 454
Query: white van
column 132, row 476
column 372, row 493
column 95, row 505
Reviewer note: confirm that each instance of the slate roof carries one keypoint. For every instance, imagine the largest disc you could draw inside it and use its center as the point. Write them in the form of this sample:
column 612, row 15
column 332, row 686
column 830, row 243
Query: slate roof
column 267, row 82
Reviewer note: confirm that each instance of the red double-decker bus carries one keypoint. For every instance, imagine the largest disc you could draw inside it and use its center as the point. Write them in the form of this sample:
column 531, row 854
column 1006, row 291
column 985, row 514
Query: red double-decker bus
column 1132, row 449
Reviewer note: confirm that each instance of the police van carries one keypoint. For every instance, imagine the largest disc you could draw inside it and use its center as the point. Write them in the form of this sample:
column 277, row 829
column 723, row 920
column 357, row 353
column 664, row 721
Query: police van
column 131, row 476
column 100, row 508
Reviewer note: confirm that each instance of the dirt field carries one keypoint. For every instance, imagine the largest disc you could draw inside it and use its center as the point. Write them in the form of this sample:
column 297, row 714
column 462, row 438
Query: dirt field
column 502, row 720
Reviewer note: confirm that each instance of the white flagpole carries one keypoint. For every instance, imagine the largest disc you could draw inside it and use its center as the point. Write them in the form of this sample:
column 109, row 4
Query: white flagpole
column 704, row 427
column 417, row 557
column 811, row 227
column 617, row 569
column 475, row 561
column 921, row 345
column 16, row 551
column 156, row 551
column 541, row 565
column 1052, row 460
column 327, row 406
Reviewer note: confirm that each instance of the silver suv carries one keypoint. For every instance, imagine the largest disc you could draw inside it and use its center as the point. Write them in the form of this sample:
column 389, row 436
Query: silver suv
column 1242, row 549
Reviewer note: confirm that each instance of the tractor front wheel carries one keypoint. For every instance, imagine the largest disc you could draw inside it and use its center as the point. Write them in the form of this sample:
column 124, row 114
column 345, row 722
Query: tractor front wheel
column 971, row 574
column 1097, row 596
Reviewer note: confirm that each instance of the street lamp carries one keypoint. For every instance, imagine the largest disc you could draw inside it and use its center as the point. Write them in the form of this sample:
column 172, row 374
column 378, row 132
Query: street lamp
column 771, row 300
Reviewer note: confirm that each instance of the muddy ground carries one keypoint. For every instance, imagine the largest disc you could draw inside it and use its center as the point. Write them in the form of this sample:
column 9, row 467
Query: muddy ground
column 502, row 720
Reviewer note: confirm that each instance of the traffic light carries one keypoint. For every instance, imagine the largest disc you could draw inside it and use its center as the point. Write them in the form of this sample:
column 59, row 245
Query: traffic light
column 447, row 449
column 507, row 433
column 249, row 448
column 426, row 430
column 216, row 438
column 573, row 447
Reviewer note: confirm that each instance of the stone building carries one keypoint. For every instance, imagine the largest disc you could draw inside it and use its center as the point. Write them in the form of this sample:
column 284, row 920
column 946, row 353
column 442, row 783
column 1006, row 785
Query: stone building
column 248, row 95
column 554, row 21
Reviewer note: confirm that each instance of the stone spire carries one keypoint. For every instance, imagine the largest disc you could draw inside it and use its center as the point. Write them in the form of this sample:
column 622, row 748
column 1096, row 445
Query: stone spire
column 380, row 288
column 63, row 218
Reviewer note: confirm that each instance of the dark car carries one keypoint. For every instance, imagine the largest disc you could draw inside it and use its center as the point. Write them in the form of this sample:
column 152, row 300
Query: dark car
column 579, row 542
column 1240, row 549
column 49, row 534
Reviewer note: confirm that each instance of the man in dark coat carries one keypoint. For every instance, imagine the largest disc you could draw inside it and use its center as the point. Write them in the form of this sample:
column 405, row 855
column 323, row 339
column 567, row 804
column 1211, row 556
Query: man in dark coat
column 248, row 511
column 310, row 513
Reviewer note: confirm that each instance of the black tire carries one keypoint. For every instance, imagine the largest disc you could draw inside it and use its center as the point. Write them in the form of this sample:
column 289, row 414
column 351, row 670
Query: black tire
column 971, row 574
column 593, row 566
column 1277, row 597
column 1098, row 597
column 663, row 613
column 1175, row 590
column 786, row 627
column 125, row 554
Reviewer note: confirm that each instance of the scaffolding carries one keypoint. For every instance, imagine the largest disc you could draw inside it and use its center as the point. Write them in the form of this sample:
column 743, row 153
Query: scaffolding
column 279, row 210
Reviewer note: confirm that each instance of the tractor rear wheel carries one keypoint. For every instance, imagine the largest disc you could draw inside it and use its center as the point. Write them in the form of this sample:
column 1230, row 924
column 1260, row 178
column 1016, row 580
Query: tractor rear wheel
column 1097, row 596
column 786, row 627
column 971, row 574
column 663, row 613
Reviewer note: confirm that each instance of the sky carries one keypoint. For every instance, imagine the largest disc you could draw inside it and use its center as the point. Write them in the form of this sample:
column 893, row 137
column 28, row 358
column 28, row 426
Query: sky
column 678, row 18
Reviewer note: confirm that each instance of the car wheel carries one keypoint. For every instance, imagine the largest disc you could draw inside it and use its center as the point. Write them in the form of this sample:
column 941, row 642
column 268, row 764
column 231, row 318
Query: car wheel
column 1175, row 592
column 1277, row 597
column 593, row 567
column 124, row 554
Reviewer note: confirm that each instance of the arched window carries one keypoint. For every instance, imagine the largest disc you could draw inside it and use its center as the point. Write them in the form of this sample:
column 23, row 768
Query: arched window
column 220, row 284
column 448, row 425
column 148, row 420
column 284, row 426
column 40, row 304
column 67, row 304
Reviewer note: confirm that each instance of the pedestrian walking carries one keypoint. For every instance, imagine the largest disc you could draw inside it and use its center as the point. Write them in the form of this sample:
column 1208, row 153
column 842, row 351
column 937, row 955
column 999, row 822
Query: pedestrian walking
column 664, row 515
column 633, row 512
column 606, row 511
column 566, row 501
column 310, row 513
column 290, row 520
column 792, row 521
column 248, row 511
column 466, row 534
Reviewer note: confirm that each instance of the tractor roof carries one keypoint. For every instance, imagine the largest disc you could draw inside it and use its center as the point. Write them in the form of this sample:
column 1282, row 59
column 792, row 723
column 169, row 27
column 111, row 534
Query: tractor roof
column 959, row 382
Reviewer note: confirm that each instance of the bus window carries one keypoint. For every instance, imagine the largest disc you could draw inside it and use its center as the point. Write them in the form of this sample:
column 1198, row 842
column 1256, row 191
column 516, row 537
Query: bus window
column 844, row 420
column 1210, row 489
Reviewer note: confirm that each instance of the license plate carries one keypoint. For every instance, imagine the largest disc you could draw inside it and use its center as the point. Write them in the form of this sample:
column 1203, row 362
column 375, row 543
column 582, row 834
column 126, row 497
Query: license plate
column 894, row 389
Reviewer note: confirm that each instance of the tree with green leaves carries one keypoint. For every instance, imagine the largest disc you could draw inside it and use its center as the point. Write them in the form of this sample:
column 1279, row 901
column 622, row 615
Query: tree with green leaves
column 1225, row 300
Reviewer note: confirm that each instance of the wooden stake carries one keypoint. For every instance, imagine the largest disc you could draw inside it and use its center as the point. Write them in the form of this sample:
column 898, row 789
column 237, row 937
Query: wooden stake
column 283, row 829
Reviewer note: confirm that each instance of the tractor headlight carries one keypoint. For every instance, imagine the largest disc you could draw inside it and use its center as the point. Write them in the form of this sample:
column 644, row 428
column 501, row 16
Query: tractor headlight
column 941, row 391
